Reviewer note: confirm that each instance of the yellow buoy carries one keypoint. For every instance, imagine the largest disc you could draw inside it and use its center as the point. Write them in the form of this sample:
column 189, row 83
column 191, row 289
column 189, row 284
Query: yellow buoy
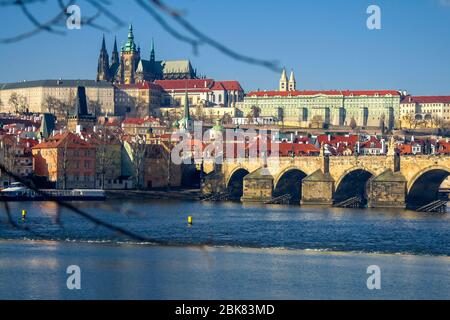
column 24, row 214
column 189, row 219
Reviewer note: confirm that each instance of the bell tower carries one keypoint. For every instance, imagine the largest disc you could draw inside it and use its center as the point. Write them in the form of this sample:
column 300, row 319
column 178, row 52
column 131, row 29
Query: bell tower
column 130, row 56
column 283, row 81
column 292, row 82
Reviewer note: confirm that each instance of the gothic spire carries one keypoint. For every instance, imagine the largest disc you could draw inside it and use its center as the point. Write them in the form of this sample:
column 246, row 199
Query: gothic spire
column 103, row 44
column 152, row 52
column 115, row 53
column 103, row 63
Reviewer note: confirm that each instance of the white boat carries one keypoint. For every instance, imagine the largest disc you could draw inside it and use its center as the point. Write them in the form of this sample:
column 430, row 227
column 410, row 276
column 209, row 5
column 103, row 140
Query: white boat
column 17, row 190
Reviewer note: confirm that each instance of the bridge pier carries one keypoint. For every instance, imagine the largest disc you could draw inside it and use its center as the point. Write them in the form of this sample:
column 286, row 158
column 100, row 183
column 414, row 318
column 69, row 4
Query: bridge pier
column 258, row 186
column 318, row 189
column 387, row 190
column 213, row 183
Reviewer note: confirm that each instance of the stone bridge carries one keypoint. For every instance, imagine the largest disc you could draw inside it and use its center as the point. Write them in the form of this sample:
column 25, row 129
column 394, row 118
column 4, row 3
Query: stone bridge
column 380, row 181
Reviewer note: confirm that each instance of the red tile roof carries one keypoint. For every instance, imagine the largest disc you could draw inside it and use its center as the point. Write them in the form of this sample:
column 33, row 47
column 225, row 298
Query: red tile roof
column 231, row 85
column 346, row 93
column 185, row 84
column 444, row 147
column 139, row 121
column 285, row 148
column 143, row 85
column 368, row 144
column 198, row 85
column 59, row 140
column 426, row 99
column 218, row 86
column 351, row 139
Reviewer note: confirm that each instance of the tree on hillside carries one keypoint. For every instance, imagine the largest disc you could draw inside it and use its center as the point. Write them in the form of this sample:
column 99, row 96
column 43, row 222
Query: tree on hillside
column 353, row 124
column 54, row 106
column 106, row 155
column 14, row 101
column 138, row 149
column 382, row 125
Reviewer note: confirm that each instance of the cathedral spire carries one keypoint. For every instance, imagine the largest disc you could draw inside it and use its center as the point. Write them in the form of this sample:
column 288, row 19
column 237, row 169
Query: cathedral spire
column 152, row 52
column 103, row 44
column 103, row 63
column 115, row 53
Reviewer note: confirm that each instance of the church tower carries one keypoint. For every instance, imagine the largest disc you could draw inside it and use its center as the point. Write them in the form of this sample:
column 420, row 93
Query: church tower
column 103, row 63
column 283, row 81
column 292, row 82
column 130, row 56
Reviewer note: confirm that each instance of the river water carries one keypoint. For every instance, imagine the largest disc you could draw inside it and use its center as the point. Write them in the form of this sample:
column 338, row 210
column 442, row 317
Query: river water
column 232, row 251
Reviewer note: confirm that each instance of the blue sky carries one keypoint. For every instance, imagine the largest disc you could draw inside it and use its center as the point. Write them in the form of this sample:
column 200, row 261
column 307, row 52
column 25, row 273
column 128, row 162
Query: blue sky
column 326, row 42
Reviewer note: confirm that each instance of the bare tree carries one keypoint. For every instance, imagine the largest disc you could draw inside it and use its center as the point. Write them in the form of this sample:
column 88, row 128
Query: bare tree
column 199, row 113
column 138, row 149
column 14, row 101
column 353, row 124
column 7, row 156
column 95, row 107
column 106, row 156
column 63, row 163
column 437, row 122
column 411, row 120
column 54, row 106
column 382, row 123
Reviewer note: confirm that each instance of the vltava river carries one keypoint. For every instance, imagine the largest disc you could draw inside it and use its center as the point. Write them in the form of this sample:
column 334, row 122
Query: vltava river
column 232, row 251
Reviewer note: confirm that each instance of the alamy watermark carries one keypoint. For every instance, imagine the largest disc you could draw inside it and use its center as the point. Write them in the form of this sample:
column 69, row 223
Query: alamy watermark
column 374, row 280
column 374, row 20
column 74, row 280
column 221, row 146
column 74, row 17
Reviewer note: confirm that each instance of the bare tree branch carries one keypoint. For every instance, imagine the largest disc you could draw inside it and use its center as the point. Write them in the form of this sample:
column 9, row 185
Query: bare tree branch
column 155, row 8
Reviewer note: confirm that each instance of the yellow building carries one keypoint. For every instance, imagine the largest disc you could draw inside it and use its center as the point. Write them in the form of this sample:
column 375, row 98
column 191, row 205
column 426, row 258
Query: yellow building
column 320, row 108
column 55, row 96
column 425, row 111
column 137, row 100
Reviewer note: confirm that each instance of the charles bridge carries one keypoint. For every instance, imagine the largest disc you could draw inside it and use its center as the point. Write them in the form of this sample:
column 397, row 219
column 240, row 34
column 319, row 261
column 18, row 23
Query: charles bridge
column 390, row 181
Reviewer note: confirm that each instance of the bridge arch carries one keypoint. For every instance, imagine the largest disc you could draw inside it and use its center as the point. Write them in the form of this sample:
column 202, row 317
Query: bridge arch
column 235, row 183
column 353, row 183
column 424, row 186
column 289, row 181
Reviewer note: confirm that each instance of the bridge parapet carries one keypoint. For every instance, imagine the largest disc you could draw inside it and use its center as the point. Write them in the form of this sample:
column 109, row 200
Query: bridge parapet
column 390, row 176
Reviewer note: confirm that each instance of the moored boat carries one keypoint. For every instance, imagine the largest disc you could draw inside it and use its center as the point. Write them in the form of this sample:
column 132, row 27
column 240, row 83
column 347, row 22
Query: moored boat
column 18, row 192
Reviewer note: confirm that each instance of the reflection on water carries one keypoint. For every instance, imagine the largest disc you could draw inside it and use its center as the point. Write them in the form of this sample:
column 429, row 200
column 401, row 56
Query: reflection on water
column 37, row 270
column 242, row 225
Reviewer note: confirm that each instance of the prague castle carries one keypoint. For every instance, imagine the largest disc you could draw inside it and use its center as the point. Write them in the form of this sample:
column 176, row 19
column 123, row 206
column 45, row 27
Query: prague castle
column 131, row 68
column 321, row 108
